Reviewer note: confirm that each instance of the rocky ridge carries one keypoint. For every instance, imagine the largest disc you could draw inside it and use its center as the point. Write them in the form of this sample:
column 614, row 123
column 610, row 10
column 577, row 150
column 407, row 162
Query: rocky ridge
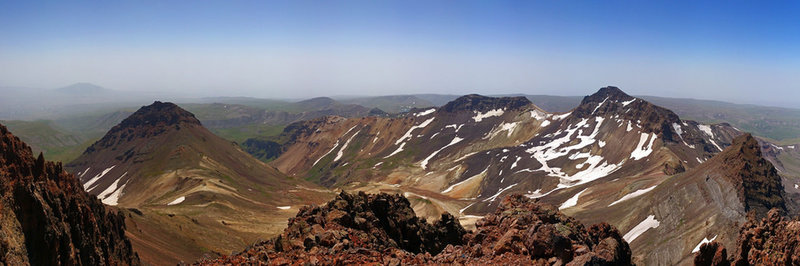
column 362, row 228
column 773, row 240
column 46, row 218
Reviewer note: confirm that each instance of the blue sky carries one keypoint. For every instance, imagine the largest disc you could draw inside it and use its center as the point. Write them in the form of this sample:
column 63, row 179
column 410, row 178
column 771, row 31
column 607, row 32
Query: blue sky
column 740, row 51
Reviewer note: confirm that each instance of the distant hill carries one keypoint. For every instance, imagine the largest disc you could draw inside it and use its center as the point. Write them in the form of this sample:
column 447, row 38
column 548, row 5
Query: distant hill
column 392, row 103
column 83, row 89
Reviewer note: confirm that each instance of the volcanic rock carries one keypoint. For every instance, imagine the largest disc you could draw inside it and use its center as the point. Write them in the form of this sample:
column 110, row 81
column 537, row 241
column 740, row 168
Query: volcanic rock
column 382, row 229
column 757, row 181
column 46, row 218
column 479, row 103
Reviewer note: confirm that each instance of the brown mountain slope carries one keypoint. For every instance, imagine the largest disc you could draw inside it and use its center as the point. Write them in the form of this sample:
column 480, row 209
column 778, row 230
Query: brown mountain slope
column 382, row 229
column 47, row 219
column 186, row 187
column 597, row 162
column 708, row 202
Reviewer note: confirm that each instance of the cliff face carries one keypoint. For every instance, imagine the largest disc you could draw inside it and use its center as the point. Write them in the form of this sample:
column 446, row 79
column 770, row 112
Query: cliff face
column 356, row 229
column 757, row 181
column 46, row 218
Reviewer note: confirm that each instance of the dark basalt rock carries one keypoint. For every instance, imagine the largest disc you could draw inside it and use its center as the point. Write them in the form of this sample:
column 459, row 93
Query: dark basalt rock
column 46, row 218
column 474, row 102
column 148, row 121
column 382, row 229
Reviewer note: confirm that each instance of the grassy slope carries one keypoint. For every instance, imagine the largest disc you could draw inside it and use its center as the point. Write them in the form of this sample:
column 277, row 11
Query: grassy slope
column 44, row 136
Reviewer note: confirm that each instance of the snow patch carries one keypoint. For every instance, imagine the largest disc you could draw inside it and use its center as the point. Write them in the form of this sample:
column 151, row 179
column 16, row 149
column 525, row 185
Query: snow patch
column 426, row 112
column 509, row 127
column 705, row 241
column 599, row 105
column 480, row 116
column 399, row 149
column 177, row 201
column 538, row 115
column 515, row 163
column 494, row 197
column 408, row 133
column 626, row 103
column 111, row 194
column 632, row 195
column 706, row 129
column 334, row 147
column 649, row 222
column 341, row 151
column 561, row 116
column 643, row 149
column 571, row 202
column 538, row 193
column 677, row 129
column 454, row 126
column 94, row 179
column 544, row 123
column 597, row 165
column 84, row 172
column 424, row 163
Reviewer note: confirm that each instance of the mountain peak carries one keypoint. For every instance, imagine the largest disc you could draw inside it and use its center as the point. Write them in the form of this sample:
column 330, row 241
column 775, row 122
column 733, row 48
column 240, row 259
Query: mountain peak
column 475, row 102
column 148, row 121
column 607, row 93
column 756, row 179
column 83, row 88
column 160, row 114
column 611, row 101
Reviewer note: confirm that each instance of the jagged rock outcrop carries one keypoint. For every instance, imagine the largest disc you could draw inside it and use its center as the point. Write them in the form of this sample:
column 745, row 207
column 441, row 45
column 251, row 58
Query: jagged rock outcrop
column 47, row 219
column 757, row 181
column 773, row 240
column 712, row 254
column 355, row 229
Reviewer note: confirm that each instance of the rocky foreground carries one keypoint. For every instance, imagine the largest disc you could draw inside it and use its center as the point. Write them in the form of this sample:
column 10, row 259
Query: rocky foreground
column 383, row 229
column 774, row 240
column 47, row 219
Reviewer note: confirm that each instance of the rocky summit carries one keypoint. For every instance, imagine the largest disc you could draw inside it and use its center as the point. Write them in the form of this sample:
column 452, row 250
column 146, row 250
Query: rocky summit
column 382, row 229
column 47, row 219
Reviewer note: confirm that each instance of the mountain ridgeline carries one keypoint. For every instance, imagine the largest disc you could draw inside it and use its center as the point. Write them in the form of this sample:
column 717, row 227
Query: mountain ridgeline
column 614, row 158
column 505, row 181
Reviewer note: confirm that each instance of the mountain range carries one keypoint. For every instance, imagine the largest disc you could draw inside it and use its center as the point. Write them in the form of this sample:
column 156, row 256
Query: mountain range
column 614, row 158
column 616, row 179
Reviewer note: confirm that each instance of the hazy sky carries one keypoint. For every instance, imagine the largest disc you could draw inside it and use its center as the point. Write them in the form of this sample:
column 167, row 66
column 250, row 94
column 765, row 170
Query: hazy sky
column 740, row 51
